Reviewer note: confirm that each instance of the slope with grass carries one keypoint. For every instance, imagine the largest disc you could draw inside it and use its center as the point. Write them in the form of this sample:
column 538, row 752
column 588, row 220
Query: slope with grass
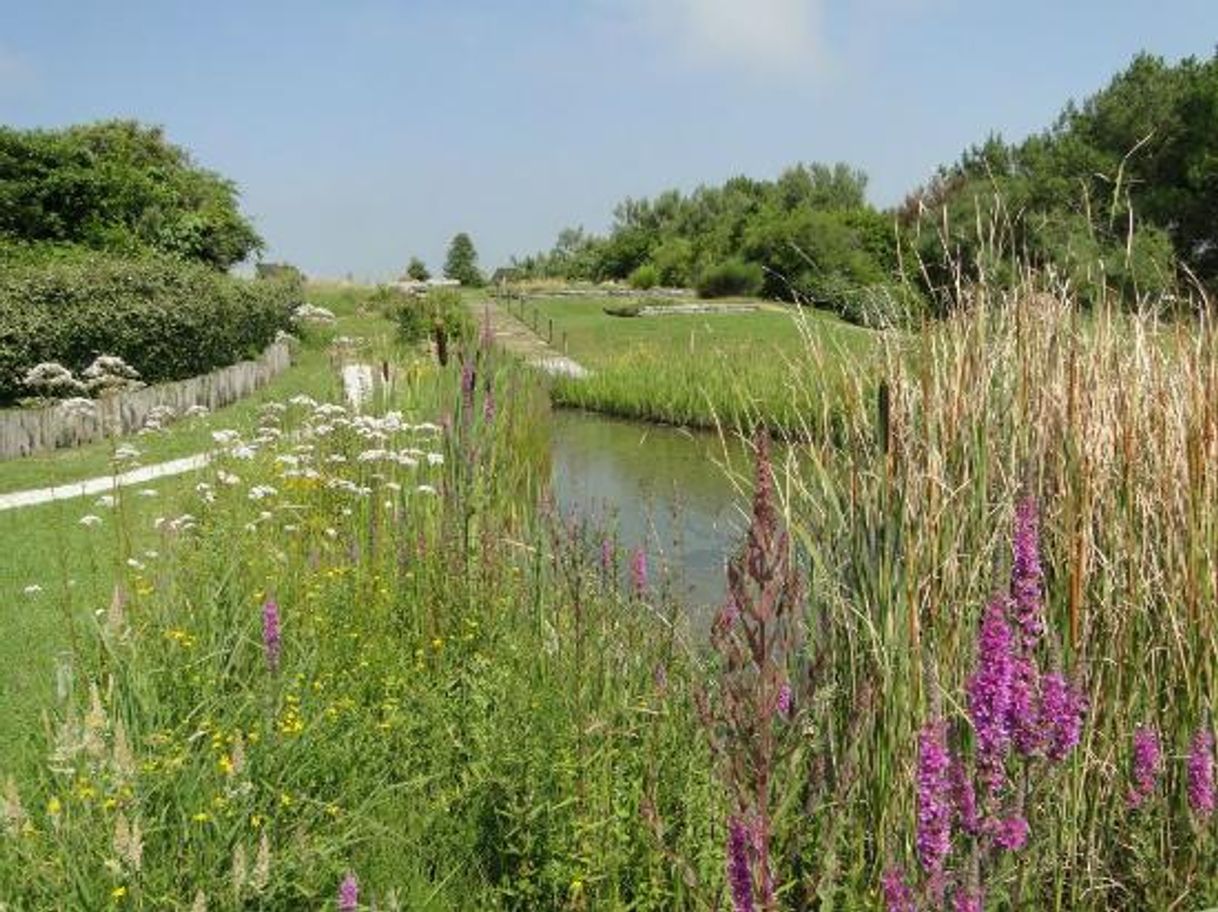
column 707, row 369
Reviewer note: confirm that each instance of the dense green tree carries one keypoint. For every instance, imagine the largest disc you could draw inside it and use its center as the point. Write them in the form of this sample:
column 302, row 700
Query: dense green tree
column 118, row 186
column 417, row 270
column 462, row 261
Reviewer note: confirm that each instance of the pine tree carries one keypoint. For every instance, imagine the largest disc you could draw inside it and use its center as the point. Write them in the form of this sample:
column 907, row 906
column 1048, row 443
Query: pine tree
column 462, row 261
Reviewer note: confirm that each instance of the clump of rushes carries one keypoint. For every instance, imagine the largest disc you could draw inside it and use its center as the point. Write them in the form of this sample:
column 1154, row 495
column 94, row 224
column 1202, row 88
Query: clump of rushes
column 1024, row 720
column 755, row 636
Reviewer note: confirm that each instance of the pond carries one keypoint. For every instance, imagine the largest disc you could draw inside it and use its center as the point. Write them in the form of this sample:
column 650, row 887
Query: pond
column 665, row 489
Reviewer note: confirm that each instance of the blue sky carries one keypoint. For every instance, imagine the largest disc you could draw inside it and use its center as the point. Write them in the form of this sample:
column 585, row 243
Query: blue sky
column 364, row 131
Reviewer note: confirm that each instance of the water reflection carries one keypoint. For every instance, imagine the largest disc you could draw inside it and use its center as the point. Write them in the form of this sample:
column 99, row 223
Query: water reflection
column 664, row 488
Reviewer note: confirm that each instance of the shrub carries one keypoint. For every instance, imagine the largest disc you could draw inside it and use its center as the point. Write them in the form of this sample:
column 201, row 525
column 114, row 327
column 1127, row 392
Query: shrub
column 440, row 308
column 623, row 310
column 731, row 277
column 122, row 187
column 645, row 277
column 167, row 319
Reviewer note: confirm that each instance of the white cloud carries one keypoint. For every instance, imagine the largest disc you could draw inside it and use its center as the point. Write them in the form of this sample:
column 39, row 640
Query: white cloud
column 770, row 36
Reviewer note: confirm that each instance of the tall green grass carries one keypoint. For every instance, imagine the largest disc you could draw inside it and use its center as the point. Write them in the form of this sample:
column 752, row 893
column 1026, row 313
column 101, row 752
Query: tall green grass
column 469, row 712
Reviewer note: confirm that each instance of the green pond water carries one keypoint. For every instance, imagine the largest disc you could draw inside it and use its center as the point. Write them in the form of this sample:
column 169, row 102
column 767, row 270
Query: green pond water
column 667, row 490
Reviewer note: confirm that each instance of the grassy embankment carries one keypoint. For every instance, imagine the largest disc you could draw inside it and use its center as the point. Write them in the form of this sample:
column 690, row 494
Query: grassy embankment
column 459, row 706
column 72, row 566
column 781, row 366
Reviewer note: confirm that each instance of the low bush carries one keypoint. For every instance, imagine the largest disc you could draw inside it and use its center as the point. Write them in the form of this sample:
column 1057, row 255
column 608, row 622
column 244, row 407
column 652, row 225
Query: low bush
column 645, row 277
column 440, row 308
column 624, row 310
column 167, row 319
column 730, row 278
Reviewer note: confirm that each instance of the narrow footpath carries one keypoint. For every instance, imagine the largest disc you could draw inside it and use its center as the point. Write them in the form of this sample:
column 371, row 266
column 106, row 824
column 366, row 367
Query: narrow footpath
column 518, row 338
column 357, row 389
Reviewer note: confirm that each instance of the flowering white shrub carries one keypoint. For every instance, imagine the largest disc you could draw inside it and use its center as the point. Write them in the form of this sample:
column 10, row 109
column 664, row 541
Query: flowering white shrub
column 109, row 374
column 52, row 380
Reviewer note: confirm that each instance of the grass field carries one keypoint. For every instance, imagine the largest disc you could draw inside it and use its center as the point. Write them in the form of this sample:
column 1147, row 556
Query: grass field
column 379, row 652
column 72, row 567
column 732, row 369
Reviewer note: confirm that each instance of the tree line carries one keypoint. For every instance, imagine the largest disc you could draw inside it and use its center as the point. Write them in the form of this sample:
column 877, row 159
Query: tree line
column 1119, row 196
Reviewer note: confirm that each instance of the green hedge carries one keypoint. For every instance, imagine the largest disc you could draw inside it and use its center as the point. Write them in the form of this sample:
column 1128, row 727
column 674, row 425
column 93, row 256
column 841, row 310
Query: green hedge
column 166, row 318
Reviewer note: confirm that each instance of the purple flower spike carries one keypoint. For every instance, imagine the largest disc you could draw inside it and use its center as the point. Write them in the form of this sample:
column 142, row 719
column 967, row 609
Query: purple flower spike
column 739, row 875
column 989, row 693
column 606, row 554
column 1062, row 709
column 934, row 797
column 1147, row 765
column 964, row 796
column 1012, row 834
column 1024, row 710
column 967, row 900
column 784, row 700
column 1026, row 574
column 271, row 633
column 638, row 572
column 898, row 896
column 1201, row 774
column 348, row 893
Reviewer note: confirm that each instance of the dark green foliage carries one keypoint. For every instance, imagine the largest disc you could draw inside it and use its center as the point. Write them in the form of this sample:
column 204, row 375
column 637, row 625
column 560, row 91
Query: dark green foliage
column 281, row 272
column 462, row 262
column 645, row 277
column 417, row 270
column 166, row 318
column 734, row 277
column 1118, row 189
column 623, row 310
column 122, row 187
column 443, row 309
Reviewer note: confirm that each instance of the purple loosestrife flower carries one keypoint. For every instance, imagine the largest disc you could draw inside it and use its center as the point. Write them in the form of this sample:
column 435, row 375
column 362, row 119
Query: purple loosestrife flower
column 783, row 703
column 934, row 797
column 989, row 693
column 967, row 899
column 1062, row 709
column 964, row 797
column 271, row 633
column 1201, row 774
column 739, row 875
column 638, row 572
column 1146, row 766
column 1012, row 833
column 898, row 896
column 1026, row 575
column 606, row 555
column 1024, row 709
column 348, row 893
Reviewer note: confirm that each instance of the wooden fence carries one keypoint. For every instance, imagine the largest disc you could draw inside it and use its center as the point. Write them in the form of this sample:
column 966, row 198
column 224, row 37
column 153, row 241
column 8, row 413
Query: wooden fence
column 37, row 430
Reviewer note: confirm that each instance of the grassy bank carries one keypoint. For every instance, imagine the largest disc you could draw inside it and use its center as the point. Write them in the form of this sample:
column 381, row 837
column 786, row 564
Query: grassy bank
column 310, row 373
column 707, row 370
column 378, row 653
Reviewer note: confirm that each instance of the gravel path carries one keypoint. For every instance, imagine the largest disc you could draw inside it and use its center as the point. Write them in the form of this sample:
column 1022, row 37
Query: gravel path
column 104, row 485
column 518, row 338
